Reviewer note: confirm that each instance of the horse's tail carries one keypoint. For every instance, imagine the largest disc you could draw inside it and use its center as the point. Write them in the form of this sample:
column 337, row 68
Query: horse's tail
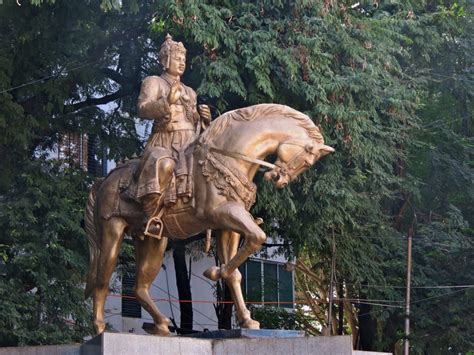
column 93, row 237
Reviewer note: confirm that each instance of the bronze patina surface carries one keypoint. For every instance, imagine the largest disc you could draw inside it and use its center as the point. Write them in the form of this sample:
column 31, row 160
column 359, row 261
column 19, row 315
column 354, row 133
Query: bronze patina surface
column 177, row 121
column 220, row 165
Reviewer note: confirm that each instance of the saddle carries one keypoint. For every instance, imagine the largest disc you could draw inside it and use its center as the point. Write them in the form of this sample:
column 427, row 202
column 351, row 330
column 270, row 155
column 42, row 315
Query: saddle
column 140, row 177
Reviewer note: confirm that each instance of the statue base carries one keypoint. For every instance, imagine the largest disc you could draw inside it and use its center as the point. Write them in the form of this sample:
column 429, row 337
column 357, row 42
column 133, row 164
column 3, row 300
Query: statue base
column 126, row 343
column 117, row 343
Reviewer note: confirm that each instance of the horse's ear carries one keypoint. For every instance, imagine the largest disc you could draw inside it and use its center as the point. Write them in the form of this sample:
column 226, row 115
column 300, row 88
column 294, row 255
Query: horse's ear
column 325, row 150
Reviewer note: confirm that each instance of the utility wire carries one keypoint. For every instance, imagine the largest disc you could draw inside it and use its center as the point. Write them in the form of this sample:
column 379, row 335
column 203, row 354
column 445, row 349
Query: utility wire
column 203, row 325
column 49, row 77
column 418, row 287
column 320, row 301
column 170, row 300
column 202, row 279
column 438, row 296
column 454, row 76
column 168, row 288
column 441, row 122
column 418, row 238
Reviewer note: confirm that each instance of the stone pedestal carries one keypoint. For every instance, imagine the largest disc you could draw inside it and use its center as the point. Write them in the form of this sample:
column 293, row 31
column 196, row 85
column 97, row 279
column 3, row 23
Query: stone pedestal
column 74, row 349
column 237, row 342
column 115, row 343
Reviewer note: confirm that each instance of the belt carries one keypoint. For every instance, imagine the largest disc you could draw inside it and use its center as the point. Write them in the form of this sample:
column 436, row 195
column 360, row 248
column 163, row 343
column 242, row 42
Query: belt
column 174, row 126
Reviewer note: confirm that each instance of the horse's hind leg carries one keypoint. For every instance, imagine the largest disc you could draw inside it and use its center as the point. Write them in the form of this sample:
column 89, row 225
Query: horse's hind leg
column 112, row 237
column 149, row 257
column 227, row 245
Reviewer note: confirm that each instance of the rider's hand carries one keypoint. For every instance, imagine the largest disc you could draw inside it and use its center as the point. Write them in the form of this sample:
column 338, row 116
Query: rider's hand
column 205, row 113
column 175, row 93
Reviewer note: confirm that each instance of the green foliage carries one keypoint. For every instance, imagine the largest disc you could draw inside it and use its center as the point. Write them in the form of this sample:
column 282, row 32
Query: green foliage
column 274, row 317
column 346, row 71
column 58, row 62
column 443, row 256
column 43, row 258
column 442, row 163
column 366, row 75
column 389, row 82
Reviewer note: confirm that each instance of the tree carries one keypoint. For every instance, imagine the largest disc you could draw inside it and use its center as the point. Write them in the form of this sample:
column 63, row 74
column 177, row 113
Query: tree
column 390, row 83
column 43, row 257
column 360, row 70
column 343, row 68
column 442, row 163
column 59, row 62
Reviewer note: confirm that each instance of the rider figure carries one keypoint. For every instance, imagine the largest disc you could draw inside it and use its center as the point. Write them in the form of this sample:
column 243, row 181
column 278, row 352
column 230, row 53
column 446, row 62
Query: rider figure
column 172, row 106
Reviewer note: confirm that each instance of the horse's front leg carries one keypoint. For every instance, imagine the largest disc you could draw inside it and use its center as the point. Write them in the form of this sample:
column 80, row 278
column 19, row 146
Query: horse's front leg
column 227, row 245
column 149, row 257
column 235, row 217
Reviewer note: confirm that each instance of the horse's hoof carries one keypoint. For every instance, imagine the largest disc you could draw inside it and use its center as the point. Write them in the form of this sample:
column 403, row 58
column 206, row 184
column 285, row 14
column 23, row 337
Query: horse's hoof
column 250, row 324
column 99, row 327
column 158, row 329
column 213, row 273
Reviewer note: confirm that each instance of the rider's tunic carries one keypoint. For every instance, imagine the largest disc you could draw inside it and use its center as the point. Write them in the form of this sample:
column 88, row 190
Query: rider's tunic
column 174, row 127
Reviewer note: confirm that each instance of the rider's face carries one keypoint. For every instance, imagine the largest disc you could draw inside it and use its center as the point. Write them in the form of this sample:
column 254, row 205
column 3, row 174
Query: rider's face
column 177, row 64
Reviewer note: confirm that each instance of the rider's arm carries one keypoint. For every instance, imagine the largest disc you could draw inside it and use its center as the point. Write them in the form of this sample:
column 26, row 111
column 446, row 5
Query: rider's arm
column 196, row 115
column 152, row 104
column 203, row 114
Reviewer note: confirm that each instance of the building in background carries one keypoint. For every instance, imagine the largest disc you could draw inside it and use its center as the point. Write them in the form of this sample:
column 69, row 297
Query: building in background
column 264, row 279
column 84, row 151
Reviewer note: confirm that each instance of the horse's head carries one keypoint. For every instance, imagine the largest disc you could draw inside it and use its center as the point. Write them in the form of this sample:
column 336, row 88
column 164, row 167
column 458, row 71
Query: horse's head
column 293, row 157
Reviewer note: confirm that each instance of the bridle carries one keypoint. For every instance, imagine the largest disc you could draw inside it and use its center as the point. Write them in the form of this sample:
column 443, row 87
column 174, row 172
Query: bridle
column 291, row 168
column 297, row 162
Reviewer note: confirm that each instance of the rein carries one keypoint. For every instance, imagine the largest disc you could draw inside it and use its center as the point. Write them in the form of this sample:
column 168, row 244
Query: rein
column 242, row 157
column 283, row 168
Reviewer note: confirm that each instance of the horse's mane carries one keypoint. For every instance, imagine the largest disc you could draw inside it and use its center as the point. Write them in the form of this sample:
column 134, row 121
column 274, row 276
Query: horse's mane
column 251, row 113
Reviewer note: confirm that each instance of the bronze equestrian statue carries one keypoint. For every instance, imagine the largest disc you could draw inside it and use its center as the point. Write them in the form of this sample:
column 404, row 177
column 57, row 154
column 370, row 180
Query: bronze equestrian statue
column 177, row 122
column 200, row 184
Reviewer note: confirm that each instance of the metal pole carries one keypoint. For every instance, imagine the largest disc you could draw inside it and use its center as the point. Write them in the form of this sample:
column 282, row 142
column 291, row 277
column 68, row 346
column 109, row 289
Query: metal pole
column 331, row 290
column 407, row 301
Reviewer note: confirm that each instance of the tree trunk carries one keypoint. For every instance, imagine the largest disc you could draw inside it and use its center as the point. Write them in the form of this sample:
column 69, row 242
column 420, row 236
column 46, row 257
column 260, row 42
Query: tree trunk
column 340, row 304
column 367, row 328
column 183, row 285
column 225, row 317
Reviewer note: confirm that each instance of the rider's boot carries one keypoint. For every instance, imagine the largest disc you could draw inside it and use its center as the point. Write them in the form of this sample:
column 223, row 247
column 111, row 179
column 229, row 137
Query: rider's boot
column 152, row 205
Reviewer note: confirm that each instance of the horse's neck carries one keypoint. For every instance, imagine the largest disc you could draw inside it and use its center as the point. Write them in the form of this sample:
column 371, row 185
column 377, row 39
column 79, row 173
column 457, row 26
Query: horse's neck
column 262, row 136
column 257, row 139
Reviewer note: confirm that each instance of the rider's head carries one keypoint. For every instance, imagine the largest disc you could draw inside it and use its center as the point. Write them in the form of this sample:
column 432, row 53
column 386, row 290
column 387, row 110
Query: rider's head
column 172, row 56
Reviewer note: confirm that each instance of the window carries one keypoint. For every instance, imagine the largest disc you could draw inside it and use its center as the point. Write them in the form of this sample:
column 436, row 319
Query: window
column 130, row 306
column 268, row 282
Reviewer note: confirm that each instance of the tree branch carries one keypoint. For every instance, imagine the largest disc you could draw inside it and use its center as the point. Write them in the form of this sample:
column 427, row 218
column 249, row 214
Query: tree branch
column 92, row 101
column 114, row 75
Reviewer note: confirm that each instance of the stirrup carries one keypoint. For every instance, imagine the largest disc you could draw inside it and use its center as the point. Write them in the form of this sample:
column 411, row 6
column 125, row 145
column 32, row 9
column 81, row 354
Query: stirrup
column 158, row 224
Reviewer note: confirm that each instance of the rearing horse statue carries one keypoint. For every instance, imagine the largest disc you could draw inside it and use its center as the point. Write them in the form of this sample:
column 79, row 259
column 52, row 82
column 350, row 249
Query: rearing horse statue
column 225, row 159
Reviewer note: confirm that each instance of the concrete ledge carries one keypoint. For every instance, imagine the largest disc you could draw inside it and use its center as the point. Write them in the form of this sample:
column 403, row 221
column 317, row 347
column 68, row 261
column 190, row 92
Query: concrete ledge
column 114, row 343
column 337, row 345
column 42, row 350
column 130, row 344
column 126, row 343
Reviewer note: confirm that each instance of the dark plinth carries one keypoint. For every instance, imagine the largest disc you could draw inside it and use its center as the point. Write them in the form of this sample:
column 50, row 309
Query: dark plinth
column 247, row 333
